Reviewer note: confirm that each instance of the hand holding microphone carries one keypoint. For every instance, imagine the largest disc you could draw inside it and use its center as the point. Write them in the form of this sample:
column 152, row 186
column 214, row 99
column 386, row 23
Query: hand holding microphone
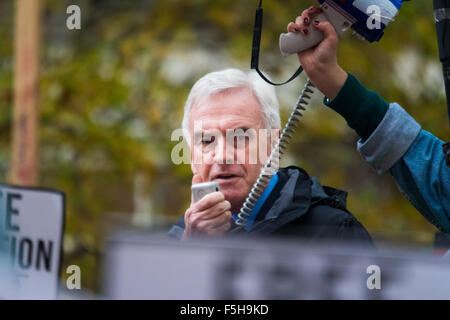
column 208, row 216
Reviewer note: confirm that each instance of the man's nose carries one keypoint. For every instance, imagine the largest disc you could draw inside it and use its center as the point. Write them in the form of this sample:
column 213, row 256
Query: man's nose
column 223, row 153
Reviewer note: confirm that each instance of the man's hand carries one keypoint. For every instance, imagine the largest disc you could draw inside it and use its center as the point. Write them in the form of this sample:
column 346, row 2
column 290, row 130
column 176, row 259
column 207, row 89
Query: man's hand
column 210, row 216
column 320, row 62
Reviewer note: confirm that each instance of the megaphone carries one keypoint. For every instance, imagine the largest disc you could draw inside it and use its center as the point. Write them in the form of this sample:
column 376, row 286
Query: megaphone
column 368, row 18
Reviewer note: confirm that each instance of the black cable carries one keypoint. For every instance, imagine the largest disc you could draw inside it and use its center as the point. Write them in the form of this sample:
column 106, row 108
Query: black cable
column 256, row 44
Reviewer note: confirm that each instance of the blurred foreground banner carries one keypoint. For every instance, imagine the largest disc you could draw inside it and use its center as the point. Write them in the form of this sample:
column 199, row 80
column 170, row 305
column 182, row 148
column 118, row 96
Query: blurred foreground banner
column 143, row 267
column 31, row 233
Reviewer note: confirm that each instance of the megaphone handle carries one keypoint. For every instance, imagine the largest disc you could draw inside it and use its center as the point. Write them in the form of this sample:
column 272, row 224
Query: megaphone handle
column 291, row 42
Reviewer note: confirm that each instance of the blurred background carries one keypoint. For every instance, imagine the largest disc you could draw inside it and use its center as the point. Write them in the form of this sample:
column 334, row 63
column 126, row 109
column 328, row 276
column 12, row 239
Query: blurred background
column 110, row 95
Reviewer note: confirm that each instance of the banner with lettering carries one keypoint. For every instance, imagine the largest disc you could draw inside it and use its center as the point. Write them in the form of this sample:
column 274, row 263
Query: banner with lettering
column 31, row 231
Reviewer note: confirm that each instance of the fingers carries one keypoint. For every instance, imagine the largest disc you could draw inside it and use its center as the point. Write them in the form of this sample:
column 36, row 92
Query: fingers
column 327, row 28
column 292, row 27
column 312, row 11
column 199, row 225
column 209, row 216
column 218, row 209
column 212, row 229
column 217, row 222
column 303, row 21
column 212, row 212
column 208, row 201
column 219, row 231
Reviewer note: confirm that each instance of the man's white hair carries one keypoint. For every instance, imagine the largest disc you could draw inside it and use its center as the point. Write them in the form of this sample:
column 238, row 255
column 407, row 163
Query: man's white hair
column 218, row 81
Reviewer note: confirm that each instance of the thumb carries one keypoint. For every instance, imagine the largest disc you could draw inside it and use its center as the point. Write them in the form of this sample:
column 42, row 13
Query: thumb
column 327, row 28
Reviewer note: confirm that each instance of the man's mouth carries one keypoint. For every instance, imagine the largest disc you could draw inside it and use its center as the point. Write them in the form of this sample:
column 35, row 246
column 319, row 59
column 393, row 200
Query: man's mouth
column 223, row 178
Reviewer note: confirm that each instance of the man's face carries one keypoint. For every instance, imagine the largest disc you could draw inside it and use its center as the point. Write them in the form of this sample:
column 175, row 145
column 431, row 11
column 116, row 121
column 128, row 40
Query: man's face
column 234, row 163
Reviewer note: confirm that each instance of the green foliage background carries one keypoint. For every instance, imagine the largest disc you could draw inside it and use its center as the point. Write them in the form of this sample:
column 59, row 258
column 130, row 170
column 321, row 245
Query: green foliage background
column 112, row 93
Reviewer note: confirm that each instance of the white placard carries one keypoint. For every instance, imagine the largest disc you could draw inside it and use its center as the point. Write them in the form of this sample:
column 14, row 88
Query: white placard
column 138, row 266
column 31, row 230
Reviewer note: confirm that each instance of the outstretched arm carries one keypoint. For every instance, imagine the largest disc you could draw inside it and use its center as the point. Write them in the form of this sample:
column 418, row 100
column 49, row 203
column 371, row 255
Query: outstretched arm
column 391, row 140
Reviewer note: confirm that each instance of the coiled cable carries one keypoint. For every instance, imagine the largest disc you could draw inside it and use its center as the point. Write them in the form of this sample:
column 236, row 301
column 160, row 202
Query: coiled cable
column 273, row 162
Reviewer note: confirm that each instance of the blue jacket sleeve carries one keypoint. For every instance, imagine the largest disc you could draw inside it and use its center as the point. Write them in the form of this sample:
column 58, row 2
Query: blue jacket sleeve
column 415, row 159
column 423, row 176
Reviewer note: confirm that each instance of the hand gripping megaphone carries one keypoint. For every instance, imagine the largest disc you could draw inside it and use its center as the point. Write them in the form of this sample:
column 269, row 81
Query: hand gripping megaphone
column 368, row 18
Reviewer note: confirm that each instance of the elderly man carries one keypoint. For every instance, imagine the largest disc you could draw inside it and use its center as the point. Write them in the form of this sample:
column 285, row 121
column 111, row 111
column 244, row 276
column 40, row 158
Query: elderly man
column 293, row 204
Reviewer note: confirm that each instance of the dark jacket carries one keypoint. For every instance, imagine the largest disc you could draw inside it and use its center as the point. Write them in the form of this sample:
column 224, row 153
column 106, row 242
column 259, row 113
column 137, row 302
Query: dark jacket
column 299, row 206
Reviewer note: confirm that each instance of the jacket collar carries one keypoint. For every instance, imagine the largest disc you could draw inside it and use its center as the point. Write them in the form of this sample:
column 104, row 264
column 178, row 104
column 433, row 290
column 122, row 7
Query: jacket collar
column 289, row 200
column 294, row 194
